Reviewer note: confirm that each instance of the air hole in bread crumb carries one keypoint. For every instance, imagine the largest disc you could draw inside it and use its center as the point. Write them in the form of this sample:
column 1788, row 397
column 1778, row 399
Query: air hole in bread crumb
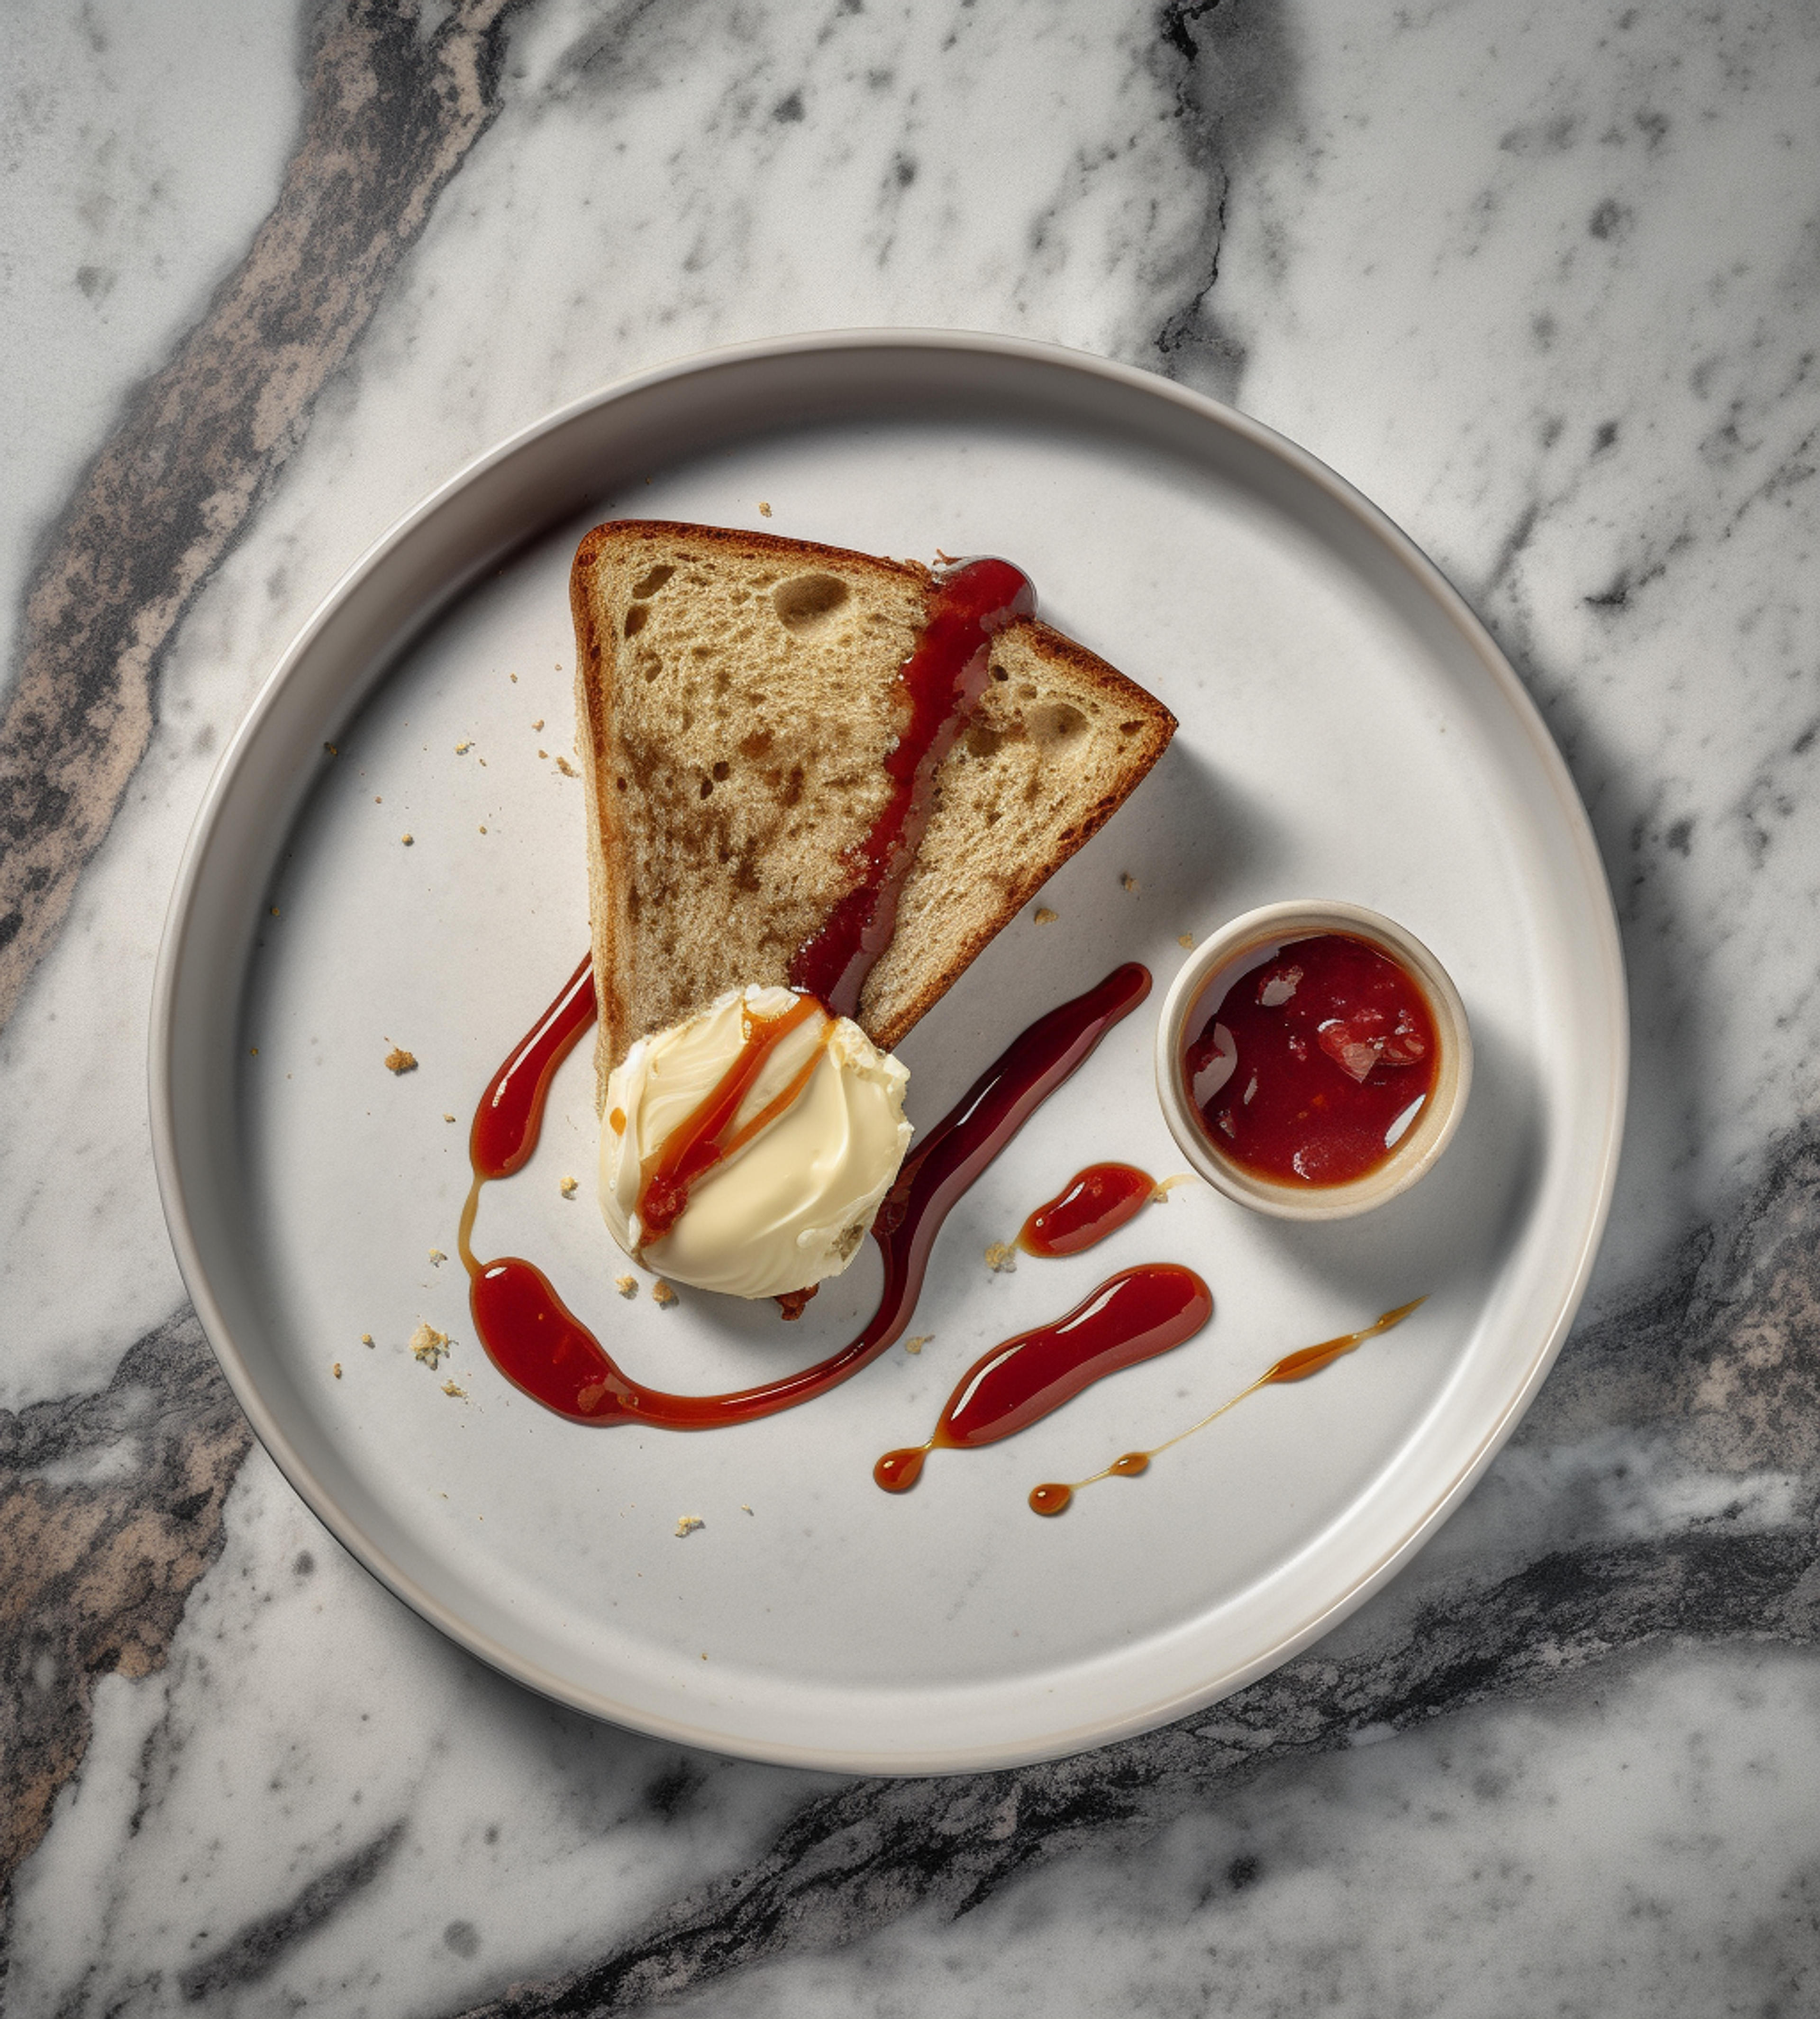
column 806, row 602
column 635, row 618
column 721, row 771
column 1056, row 722
column 707, row 787
column 654, row 581
column 999, row 673
column 983, row 740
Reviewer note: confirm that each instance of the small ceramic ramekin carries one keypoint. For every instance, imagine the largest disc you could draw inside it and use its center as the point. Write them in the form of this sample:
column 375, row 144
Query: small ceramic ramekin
column 1247, row 942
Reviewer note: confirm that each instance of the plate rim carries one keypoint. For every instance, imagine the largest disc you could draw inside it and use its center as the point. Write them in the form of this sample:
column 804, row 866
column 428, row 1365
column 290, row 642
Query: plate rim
column 181, row 924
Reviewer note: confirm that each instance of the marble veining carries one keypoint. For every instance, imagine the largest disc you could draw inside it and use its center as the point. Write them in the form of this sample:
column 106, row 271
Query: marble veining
column 1540, row 280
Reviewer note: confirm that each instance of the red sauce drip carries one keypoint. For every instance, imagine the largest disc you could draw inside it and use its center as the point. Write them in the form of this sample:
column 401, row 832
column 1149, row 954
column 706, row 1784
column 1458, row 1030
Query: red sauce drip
column 1094, row 1203
column 944, row 676
column 707, row 1135
column 542, row 1348
column 509, row 1118
column 1308, row 1068
column 1135, row 1315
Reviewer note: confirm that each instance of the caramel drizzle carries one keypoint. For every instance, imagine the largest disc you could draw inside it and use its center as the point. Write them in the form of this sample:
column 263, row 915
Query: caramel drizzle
column 706, row 1137
column 1054, row 1495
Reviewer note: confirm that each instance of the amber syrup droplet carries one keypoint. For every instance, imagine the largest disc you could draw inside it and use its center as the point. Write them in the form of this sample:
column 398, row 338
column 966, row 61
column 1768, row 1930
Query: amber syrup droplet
column 897, row 1471
column 1051, row 1499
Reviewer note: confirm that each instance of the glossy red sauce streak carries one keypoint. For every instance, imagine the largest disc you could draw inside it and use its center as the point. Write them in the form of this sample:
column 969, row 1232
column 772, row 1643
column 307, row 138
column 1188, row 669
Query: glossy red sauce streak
column 542, row 1348
column 510, row 1115
column 1135, row 1315
column 944, row 676
column 1094, row 1203
column 1305, row 1069
column 707, row 1135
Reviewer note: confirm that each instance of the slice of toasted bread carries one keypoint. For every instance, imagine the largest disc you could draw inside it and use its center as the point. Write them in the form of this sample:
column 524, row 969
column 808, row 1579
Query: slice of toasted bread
column 736, row 694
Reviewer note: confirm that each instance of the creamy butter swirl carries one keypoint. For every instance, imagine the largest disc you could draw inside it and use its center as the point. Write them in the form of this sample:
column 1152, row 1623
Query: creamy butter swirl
column 791, row 1205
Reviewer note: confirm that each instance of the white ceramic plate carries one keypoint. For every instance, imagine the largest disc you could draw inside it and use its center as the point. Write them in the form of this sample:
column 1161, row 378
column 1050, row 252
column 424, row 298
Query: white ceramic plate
column 1347, row 730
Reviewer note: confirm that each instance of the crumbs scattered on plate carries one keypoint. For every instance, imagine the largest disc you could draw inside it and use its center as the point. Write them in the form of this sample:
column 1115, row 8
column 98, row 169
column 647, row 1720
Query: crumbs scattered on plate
column 567, row 770
column 686, row 1525
column 1003, row 1256
column 1128, row 882
column 429, row 1344
column 661, row 1293
column 917, row 1344
column 335, row 1370
column 567, row 1187
column 1044, row 915
column 1184, row 939
column 436, row 1255
column 454, row 1388
column 627, row 1286
column 399, row 1060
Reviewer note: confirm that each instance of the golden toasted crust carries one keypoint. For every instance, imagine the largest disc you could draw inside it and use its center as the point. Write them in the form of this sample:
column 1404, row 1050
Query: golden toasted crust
column 736, row 694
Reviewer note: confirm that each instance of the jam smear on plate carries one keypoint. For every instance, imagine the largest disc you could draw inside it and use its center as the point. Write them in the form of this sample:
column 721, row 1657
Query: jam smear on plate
column 1314, row 1066
column 541, row 1347
column 1092, row 1204
column 1135, row 1315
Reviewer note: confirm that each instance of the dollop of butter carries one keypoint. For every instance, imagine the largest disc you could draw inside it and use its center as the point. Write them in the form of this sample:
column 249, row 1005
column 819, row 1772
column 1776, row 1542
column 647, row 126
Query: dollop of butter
column 791, row 1205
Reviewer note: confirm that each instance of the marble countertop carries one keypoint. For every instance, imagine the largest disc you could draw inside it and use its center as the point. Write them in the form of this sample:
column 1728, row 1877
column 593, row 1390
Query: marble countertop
column 1543, row 279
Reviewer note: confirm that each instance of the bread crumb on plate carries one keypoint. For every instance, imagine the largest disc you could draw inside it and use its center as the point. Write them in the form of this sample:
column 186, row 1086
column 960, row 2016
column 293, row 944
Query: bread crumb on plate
column 334, row 1369
column 569, row 1186
column 567, row 770
column 1044, row 915
column 1003, row 1256
column 627, row 1286
column 428, row 1345
column 661, row 1293
column 1128, row 881
column 686, row 1525
column 436, row 1255
column 917, row 1344
column 456, row 1388
column 399, row 1060
column 1185, row 940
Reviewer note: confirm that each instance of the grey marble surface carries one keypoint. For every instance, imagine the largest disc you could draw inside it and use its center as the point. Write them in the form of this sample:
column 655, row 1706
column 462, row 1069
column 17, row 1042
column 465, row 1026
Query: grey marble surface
column 1540, row 279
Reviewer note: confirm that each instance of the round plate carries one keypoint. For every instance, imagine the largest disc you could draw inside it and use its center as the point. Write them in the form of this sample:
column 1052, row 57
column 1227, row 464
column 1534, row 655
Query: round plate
column 1347, row 730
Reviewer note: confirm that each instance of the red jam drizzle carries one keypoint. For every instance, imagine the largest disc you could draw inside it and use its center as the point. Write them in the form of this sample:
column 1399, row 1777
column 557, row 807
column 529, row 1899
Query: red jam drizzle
column 707, row 1136
column 1094, row 1203
column 1055, row 1494
column 1315, row 1065
column 944, row 676
column 1135, row 1315
column 540, row 1345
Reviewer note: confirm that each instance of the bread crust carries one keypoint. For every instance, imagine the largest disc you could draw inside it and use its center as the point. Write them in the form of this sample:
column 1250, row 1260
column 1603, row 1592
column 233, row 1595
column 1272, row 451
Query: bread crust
column 1060, row 741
